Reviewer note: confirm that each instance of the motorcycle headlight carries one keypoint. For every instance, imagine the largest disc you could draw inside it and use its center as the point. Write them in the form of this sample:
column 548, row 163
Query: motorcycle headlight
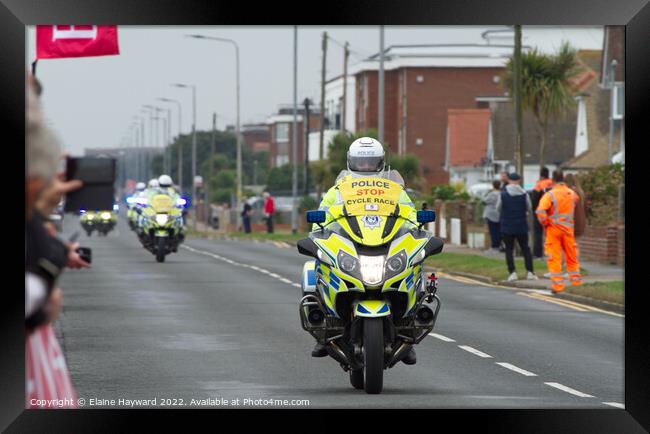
column 396, row 262
column 90, row 216
column 372, row 269
column 161, row 219
column 347, row 262
column 106, row 215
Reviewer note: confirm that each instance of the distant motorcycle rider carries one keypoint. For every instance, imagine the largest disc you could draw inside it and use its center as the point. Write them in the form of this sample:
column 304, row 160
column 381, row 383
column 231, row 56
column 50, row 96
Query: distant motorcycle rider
column 365, row 158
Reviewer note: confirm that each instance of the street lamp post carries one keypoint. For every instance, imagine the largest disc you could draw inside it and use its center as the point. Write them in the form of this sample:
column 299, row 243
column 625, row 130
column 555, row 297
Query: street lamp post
column 239, row 163
column 150, row 110
column 193, row 87
column 180, row 153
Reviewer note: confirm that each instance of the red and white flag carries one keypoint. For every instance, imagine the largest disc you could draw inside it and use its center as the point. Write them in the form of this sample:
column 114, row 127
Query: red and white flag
column 75, row 41
column 47, row 377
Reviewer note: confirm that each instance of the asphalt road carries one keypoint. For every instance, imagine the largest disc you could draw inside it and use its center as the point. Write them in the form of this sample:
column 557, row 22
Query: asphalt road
column 205, row 325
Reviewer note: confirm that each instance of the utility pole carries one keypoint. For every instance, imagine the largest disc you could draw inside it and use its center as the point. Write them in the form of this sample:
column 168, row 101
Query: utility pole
column 612, row 89
column 206, row 182
column 322, row 116
column 519, row 138
column 294, row 138
column 344, row 113
column 168, row 145
column 380, row 113
column 306, row 102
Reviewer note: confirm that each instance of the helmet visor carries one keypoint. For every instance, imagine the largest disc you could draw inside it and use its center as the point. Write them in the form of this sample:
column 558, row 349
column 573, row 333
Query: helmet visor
column 366, row 163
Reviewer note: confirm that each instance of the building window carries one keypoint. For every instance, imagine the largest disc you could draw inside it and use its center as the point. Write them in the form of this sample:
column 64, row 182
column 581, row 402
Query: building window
column 282, row 133
column 281, row 160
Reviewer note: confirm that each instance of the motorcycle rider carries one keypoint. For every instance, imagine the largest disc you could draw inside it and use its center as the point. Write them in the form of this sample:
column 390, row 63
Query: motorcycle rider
column 166, row 186
column 365, row 158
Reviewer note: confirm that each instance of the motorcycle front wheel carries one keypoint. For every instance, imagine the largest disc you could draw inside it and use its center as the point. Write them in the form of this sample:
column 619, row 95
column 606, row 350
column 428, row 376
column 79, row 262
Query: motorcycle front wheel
column 373, row 350
column 160, row 250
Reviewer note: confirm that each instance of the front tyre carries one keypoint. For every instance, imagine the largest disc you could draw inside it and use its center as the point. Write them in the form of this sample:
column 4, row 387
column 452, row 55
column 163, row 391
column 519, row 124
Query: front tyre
column 373, row 354
column 160, row 249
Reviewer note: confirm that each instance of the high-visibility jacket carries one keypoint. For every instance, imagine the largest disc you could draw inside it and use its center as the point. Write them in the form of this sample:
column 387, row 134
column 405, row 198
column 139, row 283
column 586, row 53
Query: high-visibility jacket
column 557, row 208
column 543, row 184
column 333, row 196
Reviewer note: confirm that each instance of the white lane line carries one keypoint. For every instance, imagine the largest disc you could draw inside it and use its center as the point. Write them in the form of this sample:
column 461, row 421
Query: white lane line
column 474, row 351
column 239, row 264
column 517, row 369
column 615, row 404
column 441, row 337
column 566, row 389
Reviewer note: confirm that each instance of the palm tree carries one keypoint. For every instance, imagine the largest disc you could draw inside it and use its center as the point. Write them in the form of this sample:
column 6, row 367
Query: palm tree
column 546, row 86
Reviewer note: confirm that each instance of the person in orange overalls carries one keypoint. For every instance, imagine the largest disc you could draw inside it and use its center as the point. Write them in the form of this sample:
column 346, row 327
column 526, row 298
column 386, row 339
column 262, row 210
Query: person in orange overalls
column 555, row 213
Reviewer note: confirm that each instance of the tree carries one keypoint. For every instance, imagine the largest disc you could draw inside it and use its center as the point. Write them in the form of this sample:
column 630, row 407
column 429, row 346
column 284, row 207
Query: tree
column 409, row 167
column 546, row 87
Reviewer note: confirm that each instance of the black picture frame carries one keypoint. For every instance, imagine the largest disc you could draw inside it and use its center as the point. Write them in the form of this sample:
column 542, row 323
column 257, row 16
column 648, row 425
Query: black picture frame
column 634, row 14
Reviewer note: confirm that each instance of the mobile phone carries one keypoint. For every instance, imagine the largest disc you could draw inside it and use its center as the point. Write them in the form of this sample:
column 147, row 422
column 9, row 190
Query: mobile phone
column 98, row 177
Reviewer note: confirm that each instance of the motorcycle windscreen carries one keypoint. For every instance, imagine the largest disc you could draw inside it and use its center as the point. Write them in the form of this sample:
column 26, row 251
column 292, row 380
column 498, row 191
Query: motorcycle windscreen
column 369, row 201
column 162, row 203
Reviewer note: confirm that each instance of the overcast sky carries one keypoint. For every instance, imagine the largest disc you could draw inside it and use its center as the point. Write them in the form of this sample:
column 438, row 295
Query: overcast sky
column 90, row 102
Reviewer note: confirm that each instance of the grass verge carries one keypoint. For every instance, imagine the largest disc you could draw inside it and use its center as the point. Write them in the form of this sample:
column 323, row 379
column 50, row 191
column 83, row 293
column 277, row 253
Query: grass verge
column 613, row 292
column 493, row 268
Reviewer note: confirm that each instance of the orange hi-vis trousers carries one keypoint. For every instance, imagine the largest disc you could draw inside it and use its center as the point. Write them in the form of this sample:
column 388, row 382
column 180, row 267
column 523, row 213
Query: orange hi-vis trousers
column 557, row 242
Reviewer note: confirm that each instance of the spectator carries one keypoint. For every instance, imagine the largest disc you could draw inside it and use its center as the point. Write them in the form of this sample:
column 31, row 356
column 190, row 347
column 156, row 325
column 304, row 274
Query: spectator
column 491, row 216
column 46, row 373
column 556, row 214
column 246, row 217
column 269, row 209
column 504, row 180
column 542, row 186
column 513, row 207
column 425, row 206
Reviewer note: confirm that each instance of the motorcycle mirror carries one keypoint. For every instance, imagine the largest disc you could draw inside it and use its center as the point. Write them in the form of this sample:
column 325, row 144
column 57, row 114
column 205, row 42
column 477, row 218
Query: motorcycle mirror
column 307, row 247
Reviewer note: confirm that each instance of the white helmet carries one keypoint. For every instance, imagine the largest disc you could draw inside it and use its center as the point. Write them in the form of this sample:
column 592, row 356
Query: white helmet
column 366, row 155
column 153, row 183
column 165, row 181
column 140, row 186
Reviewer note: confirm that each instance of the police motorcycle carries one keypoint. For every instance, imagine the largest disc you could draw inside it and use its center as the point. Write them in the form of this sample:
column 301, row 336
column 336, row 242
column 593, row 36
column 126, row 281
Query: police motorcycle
column 88, row 221
column 106, row 220
column 132, row 203
column 365, row 294
column 160, row 225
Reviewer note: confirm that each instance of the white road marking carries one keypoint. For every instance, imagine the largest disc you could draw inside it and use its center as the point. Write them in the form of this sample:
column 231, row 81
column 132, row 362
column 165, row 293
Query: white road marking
column 615, row 404
column 566, row 389
column 474, row 351
column 239, row 264
column 441, row 337
column 517, row 369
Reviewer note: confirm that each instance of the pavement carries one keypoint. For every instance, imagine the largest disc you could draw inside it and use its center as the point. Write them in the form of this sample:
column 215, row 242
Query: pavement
column 219, row 320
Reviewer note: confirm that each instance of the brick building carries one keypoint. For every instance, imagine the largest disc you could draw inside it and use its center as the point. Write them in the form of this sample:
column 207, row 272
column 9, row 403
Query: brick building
column 256, row 137
column 281, row 134
column 421, row 84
